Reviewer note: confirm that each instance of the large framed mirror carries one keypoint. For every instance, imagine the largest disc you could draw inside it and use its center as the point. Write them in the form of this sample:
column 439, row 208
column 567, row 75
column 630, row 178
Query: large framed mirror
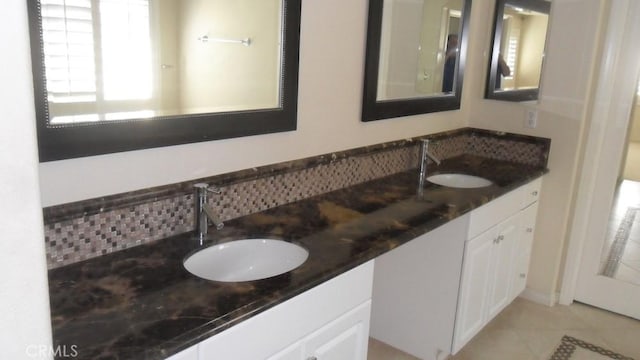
column 415, row 57
column 119, row 75
column 517, row 49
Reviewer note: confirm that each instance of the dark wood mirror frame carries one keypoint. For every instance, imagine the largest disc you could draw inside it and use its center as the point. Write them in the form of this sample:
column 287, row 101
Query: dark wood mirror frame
column 87, row 139
column 372, row 109
column 515, row 95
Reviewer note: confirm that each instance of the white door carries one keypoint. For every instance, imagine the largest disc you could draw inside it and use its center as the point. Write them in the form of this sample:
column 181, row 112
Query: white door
column 615, row 93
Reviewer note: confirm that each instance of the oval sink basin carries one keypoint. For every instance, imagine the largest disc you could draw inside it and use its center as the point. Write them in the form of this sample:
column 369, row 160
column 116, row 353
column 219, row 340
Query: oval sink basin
column 459, row 180
column 246, row 260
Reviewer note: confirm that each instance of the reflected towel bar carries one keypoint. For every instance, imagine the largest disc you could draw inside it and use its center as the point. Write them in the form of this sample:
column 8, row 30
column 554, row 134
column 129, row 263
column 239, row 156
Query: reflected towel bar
column 206, row 39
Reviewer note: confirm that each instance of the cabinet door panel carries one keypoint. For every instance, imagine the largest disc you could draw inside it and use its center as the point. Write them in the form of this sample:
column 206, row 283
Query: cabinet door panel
column 531, row 192
column 474, row 288
column 293, row 352
column 502, row 271
column 344, row 338
column 523, row 250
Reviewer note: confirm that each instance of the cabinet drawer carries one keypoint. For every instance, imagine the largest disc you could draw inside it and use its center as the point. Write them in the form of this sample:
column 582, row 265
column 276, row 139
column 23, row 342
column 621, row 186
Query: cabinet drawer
column 531, row 192
column 529, row 216
column 494, row 212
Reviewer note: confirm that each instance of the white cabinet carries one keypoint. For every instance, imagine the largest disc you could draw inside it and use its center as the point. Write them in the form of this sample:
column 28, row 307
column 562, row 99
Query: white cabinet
column 505, row 239
column 523, row 252
column 474, row 289
column 343, row 338
column 329, row 321
column 496, row 259
column 487, row 272
column 415, row 291
column 292, row 352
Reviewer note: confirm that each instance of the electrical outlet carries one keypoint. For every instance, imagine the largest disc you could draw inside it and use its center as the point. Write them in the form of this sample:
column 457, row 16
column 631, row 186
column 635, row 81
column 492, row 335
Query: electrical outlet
column 531, row 118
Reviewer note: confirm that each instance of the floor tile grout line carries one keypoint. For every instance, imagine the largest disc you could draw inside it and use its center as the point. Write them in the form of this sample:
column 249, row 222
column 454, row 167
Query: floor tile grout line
column 621, row 238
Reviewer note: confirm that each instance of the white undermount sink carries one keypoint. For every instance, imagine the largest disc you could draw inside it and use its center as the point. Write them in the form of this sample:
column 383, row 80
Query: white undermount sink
column 459, row 181
column 246, row 260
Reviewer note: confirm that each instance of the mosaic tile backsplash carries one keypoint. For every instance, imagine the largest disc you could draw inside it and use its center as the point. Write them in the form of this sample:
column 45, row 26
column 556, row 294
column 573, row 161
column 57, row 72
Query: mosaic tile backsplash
column 90, row 228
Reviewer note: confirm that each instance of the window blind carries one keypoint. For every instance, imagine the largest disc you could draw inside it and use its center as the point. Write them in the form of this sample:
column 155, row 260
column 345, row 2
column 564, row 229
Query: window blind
column 68, row 41
column 96, row 50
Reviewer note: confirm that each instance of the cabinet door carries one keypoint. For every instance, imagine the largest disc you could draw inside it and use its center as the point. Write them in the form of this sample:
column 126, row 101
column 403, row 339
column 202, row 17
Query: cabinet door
column 293, row 352
column 501, row 273
column 523, row 250
column 474, row 287
column 344, row 338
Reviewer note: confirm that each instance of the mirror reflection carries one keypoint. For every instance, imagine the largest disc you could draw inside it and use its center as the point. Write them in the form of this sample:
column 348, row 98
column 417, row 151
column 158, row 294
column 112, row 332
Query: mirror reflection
column 620, row 254
column 518, row 49
column 110, row 60
column 419, row 48
column 521, row 48
column 415, row 57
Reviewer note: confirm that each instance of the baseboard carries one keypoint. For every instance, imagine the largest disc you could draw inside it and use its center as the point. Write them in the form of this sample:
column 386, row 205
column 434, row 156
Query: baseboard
column 548, row 299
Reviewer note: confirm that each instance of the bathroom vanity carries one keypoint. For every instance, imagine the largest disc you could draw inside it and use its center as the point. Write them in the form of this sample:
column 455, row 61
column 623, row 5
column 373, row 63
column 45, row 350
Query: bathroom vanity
column 462, row 273
column 141, row 303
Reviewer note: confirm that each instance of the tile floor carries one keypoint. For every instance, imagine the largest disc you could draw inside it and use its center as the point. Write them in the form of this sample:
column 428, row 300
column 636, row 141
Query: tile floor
column 530, row 331
column 621, row 252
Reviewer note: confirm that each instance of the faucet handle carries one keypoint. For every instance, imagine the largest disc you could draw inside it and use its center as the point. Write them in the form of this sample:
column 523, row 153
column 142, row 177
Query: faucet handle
column 214, row 189
column 207, row 187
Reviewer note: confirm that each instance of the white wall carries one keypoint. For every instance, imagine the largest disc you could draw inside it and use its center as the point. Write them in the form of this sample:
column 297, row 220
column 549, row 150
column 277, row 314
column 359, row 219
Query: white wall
column 24, row 300
column 331, row 78
column 217, row 76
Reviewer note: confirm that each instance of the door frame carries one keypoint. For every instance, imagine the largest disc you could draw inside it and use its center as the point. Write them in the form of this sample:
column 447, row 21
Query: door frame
column 605, row 138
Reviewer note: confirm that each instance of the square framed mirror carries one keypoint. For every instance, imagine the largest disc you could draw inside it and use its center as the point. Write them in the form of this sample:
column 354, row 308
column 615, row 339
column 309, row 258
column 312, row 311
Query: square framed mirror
column 517, row 50
column 120, row 75
column 415, row 57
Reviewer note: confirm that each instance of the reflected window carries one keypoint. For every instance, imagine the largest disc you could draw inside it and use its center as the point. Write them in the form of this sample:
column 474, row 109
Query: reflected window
column 128, row 56
column 521, row 48
column 139, row 74
column 418, row 48
column 512, row 37
column 95, row 51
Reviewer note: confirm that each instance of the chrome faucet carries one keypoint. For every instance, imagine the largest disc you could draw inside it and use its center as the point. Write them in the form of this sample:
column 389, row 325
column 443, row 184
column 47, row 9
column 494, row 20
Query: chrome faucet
column 425, row 155
column 204, row 212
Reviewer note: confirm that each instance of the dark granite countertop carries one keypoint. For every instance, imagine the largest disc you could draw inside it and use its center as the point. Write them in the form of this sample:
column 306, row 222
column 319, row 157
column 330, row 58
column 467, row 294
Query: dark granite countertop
column 141, row 303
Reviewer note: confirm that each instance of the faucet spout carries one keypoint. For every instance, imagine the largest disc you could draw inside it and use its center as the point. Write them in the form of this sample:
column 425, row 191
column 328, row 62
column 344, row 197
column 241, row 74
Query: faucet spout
column 425, row 154
column 204, row 213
